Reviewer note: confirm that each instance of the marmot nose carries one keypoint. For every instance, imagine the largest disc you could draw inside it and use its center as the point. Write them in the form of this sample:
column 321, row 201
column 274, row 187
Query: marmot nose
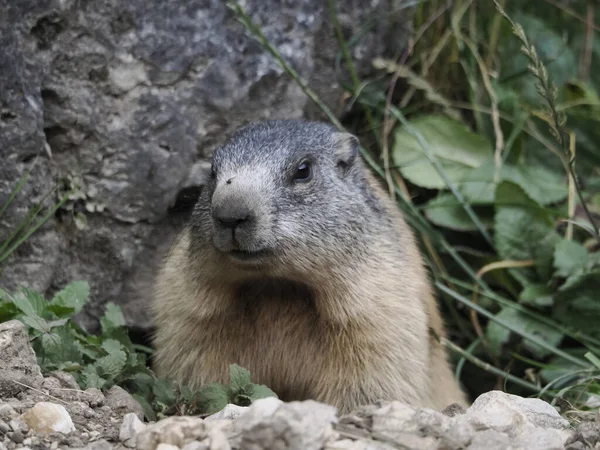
column 231, row 217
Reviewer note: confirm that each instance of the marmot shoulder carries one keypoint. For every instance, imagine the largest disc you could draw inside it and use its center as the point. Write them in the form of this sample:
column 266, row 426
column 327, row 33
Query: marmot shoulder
column 297, row 265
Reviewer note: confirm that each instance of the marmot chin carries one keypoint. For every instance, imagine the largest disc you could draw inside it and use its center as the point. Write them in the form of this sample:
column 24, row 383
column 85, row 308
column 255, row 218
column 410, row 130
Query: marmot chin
column 297, row 266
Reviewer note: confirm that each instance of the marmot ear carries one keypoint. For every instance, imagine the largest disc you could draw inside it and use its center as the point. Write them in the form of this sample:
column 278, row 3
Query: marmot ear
column 346, row 151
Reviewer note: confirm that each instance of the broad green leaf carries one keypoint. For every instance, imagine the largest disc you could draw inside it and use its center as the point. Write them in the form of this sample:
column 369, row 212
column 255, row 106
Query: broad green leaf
column 51, row 343
column 36, row 300
column 262, row 391
column 91, row 379
column 445, row 211
column 164, row 392
column 456, row 147
column 111, row 365
column 71, row 299
column 113, row 318
column 146, row 406
column 213, row 398
column 523, row 230
column 22, row 301
column 111, row 345
column 239, row 377
column 68, row 350
column 537, row 295
column 523, row 323
column 539, row 183
column 8, row 311
column 37, row 323
column 569, row 258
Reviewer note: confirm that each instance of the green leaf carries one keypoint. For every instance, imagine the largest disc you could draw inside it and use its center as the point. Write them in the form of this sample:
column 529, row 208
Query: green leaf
column 445, row 211
column 71, row 299
column 213, row 397
column 523, row 230
column 556, row 53
column 239, row 377
column 540, row 184
column 578, row 305
column 262, row 391
column 37, row 323
column 111, row 345
column 146, row 406
column 51, row 343
column 593, row 359
column 22, row 301
column 537, row 295
column 457, row 149
column 36, row 300
column 113, row 318
column 164, row 392
column 4, row 296
column 499, row 335
column 91, row 379
column 569, row 258
column 68, row 350
column 111, row 365
column 8, row 311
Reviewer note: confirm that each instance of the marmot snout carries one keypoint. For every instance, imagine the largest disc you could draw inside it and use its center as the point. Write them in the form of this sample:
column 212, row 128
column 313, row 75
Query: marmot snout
column 297, row 266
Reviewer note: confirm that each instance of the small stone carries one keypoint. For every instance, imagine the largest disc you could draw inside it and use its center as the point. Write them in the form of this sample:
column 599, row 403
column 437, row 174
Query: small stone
column 18, row 425
column 453, row 410
column 301, row 424
column 174, row 430
column 230, row 412
column 74, row 441
column 10, row 445
column 509, row 413
column 7, row 411
column 66, row 380
column 121, row 402
column 393, row 418
column 166, row 447
column 4, row 428
column 51, row 384
column 2, row 446
column 195, row 445
column 361, row 444
column 28, row 441
column 95, row 397
column 130, row 427
column 101, row 444
column 536, row 438
column 47, row 417
column 16, row 436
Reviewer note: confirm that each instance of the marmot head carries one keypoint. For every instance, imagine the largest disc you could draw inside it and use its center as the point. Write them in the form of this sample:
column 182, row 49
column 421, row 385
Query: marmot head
column 285, row 197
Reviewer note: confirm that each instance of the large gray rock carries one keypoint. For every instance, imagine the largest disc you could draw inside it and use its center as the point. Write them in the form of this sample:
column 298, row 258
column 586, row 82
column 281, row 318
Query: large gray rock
column 19, row 370
column 126, row 100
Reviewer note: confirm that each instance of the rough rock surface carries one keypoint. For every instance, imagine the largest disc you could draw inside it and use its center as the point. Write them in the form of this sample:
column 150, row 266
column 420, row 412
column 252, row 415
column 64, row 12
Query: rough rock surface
column 18, row 365
column 125, row 100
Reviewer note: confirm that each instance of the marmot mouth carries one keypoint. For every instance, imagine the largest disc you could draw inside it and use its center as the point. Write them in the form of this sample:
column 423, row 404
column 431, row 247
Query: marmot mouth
column 248, row 256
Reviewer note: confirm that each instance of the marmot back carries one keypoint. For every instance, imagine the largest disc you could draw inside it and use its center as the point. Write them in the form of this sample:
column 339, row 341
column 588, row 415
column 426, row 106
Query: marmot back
column 298, row 266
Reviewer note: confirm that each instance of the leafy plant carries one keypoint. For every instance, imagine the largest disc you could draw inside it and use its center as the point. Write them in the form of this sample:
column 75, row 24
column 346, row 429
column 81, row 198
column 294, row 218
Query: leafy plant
column 110, row 358
column 506, row 212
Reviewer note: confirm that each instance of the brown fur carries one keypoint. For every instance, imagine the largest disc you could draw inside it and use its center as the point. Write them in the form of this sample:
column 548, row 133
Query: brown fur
column 348, row 337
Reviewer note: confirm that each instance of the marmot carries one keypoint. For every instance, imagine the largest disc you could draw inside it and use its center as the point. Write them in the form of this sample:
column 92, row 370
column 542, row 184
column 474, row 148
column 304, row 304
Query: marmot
column 297, row 266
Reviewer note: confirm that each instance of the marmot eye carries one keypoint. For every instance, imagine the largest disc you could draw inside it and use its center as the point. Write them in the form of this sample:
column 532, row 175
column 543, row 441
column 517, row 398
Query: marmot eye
column 303, row 172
